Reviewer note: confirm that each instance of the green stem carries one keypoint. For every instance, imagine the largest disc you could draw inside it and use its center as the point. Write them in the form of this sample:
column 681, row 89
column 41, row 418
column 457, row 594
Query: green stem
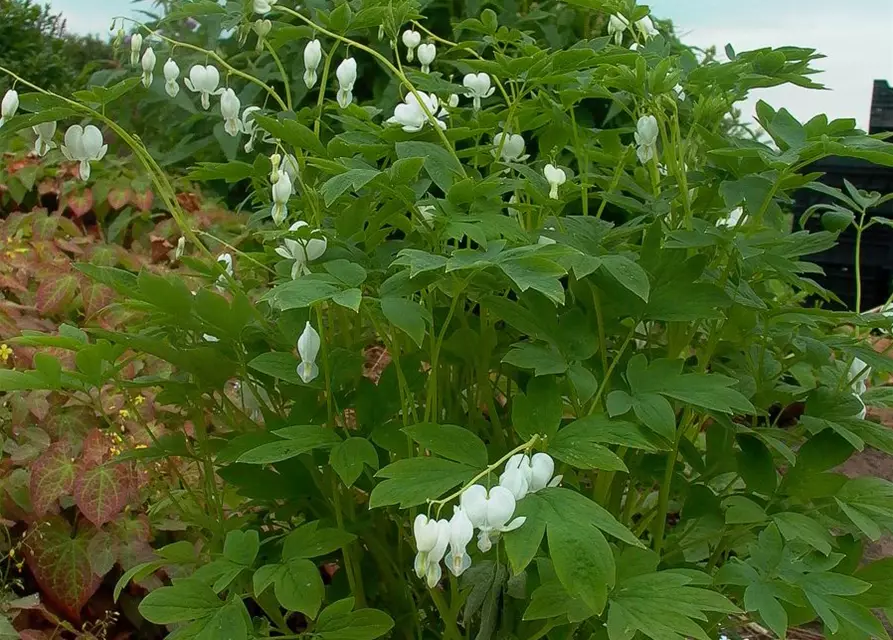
column 604, row 385
column 320, row 100
column 452, row 629
column 325, row 364
column 282, row 72
column 860, row 228
column 615, row 180
column 582, row 163
column 663, row 502
column 354, row 577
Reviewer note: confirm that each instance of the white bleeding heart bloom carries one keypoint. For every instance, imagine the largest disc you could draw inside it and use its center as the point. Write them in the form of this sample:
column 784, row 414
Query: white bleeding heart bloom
column 249, row 126
column 453, row 101
column 347, row 76
column 516, row 477
column 148, row 64
column 262, row 29
column 858, row 374
column 204, row 79
column 136, row 45
column 461, row 532
column 308, row 349
column 432, row 538
column 312, row 58
column 171, row 74
column 556, row 177
column 45, row 132
column 412, row 117
column 411, row 40
column 646, row 28
column 478, row 86
column 9, row 105
column 302, row 251
column 542, row 470
column 427, row 53
column 491, row 512
column 282, row 190
column 733, row 219
column 646, row 135
column 512, row 147
column 84, row 145
column 230, row 105
column 263, row 7
column 290, row 166
column 617, row 24
column 225, row 260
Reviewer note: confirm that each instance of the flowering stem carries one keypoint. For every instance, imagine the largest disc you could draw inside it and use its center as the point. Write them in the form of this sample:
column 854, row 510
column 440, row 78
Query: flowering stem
column 282, row 72
column 217, row 58
column 527, row 446
column 582, row 163
column 860, row 228
column 615, row 180
column 387, row 63
column 604, row 385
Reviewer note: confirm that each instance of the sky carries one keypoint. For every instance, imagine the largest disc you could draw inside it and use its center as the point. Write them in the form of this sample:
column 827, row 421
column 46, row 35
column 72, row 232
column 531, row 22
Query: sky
column 855, row 35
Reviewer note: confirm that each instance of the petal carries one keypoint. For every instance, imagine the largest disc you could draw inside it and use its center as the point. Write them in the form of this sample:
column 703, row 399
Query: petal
column 282, row 252
column 315, row 248
column 189, row 85
column 421, row 564
column 514, row 524
column 308, row 372
column 484, row 543
column 500, row 506
column 434, row 574
column 474, row 503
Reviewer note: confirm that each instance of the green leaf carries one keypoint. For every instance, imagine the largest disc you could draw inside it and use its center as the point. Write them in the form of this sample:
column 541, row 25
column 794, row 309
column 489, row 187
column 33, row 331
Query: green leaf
column 301, row 293
column 185, row 600
column 451, row 442
column 440, row 165
column 298, row 586
column 348, row 457
column 277, row 364
column 414, row 481
column 755, row 465
column 354, row 179
column 232, row 172
column 759, row 598
column 628, row 274
column 241, row 547
column 349, row 299
column 338, row 622
column 539, row 410
column 309, row 541
column 583, row 561
column 544, row 359
column 229, row 621
column 298, row 440
column 350, row 273
column 796, row 526
column 577, row 446
column 292, row 132
column 522, row 544
column 408, row 316
column 656, row 413
column 564, row 505
column 605, row 430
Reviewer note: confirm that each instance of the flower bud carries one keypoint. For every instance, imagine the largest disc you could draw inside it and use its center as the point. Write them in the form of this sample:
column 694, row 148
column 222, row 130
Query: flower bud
column 275, row 159
column 171, row 73
column 230, row 106
column 308, row 348
column 148, row 65
column 9, row 105
column 312, row 58
column 136, row 45
column 347, row 76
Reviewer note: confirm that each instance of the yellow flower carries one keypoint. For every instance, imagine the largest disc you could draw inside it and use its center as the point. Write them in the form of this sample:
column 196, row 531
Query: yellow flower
column 139, row 400
column 141, row 446
column 5, row 352
column 124, row 413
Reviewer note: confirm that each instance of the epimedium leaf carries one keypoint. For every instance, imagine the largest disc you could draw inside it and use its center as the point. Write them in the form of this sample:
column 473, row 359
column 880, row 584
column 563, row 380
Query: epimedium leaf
column 413, row 481
column 52, row 476
column 102, row 490
column 348, row 458
column 451, row 442
column 55, row 294
column 61, row 564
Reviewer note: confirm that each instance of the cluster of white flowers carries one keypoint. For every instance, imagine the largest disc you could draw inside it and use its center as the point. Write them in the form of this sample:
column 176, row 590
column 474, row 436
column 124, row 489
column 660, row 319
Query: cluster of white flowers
column 647, row 132
column 308, row 348
column 410, row 114
column 412, row 39
column 488, row 511
column 618, row 24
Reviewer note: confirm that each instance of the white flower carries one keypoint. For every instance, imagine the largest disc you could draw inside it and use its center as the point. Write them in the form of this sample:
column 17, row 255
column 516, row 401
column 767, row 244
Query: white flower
column 290, row 166
column 617, row 24
column 207, row 337
column 512, row 147
column 461, row 533
column 633, row 46
column 347, row 76
column 136, row 45
column 249, row 127
column 84, row 145
column 542, row 466
column 411, row 39
column 308, row 349
column 432, row 538
column 226, row 261
column 264, row 7
column 427, row 52
column 646, row 28
column 262, row 28
column 646, row 135
column 282, row 190
column 181, row 248
column 45, row 132
column 204, row 80
column 490, row 512
column 477, row 86
column 733, row 219
column 171, row 73
column 859, row 374
column 453, row 101
column 556, row 177
column 516, row 477
column 302, row 251
column 148, row 64
column 230, row 105
column 412, row 117
column 9, row 105
column 312, row 58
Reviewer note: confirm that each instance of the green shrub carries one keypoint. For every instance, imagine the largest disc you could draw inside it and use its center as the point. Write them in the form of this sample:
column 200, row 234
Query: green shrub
column 638, row 418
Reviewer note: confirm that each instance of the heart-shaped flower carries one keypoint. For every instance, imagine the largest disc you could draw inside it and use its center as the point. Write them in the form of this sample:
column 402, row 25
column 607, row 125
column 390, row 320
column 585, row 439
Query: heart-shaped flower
column 478, row 86
column 204, row 79
column 84, row 145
